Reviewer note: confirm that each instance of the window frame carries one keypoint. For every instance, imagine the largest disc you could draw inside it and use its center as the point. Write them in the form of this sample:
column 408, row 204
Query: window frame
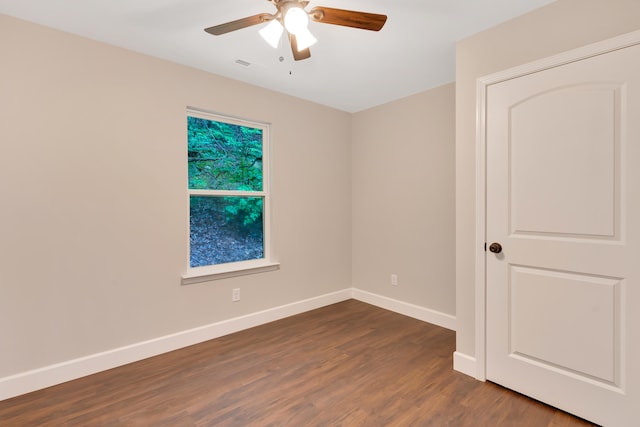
column 238, row 268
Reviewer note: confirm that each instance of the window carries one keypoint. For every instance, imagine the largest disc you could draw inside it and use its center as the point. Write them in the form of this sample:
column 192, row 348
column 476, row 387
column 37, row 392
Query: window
column 228, row 196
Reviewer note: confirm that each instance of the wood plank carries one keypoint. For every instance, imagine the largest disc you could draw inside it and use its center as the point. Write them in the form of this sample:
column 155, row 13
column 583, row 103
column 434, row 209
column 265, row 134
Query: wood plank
column 348, row 364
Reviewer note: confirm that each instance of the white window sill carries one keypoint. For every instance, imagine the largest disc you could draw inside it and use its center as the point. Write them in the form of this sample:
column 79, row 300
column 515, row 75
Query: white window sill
column 225, row 271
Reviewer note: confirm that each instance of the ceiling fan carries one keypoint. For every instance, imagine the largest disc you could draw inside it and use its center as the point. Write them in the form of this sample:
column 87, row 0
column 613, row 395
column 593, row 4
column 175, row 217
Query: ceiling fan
column 292, row 17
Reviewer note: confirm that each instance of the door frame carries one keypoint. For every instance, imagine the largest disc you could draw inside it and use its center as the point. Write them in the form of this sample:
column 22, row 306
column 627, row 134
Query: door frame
column 482, row 84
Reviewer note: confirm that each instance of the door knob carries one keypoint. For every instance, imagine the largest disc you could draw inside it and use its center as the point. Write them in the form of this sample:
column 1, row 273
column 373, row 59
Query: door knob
column 495, row 247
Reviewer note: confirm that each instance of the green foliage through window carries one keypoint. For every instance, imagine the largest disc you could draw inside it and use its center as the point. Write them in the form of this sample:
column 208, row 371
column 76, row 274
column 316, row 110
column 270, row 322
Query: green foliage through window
column 224, row 156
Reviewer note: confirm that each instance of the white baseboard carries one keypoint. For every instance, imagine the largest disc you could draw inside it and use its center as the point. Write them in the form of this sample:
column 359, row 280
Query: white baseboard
column 48, row 376
column 36, row 379
column 426, row 315
column 464, row 363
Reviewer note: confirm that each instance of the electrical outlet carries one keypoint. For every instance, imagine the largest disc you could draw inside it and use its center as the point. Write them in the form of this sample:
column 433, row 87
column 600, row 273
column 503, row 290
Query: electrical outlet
column 235, row 294
column 394, row 280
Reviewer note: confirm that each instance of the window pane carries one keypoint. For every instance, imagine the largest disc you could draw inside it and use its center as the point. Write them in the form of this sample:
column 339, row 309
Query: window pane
column 226, row 229
column 224, row 156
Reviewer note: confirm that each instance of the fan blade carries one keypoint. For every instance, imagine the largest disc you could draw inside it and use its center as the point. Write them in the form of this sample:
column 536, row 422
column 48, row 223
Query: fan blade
column 298, row 55
column 348, row 18
column 239, row 24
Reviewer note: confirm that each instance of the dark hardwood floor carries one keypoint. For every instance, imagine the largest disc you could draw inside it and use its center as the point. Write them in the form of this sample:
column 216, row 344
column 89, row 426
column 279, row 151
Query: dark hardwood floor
column 348, row 364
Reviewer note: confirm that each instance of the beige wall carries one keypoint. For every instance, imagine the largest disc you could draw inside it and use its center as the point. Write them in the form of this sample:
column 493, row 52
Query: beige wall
column 558, row 27
column 403, row 199
column 93, row 232
column 93, row 224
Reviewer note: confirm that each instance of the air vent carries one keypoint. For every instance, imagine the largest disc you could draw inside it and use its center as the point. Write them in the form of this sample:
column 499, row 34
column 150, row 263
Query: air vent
column 241, row 62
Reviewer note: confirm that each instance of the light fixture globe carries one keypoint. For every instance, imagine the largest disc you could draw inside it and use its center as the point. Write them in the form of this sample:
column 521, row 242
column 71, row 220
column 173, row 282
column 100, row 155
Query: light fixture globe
column 304, row 39
column 296, row 20
column 272, row 32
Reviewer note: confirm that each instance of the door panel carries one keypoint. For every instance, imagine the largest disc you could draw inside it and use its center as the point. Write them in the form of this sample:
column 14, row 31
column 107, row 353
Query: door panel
column 587, row 345
column 547, row 133
column 563, row 199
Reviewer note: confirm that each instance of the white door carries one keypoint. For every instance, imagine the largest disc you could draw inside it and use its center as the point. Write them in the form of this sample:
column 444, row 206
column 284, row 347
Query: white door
column 563, row 200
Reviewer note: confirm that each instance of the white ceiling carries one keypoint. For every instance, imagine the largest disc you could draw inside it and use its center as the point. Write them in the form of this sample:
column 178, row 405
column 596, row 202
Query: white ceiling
column 349, row 69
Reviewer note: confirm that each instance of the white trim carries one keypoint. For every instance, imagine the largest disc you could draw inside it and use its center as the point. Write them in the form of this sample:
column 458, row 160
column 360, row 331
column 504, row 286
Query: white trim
column 464, row 363
column 227, row 270
column 47, row 376
column 589, row 51
column 227, row 193
column 238, row 120
column 480, row 241
column 417, row 312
